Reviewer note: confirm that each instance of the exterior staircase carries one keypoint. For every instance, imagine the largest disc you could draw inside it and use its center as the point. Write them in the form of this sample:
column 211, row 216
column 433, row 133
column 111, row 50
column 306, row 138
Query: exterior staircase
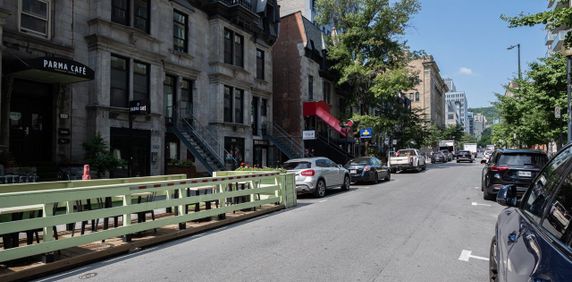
column 329, row 149
column 202, row 144
column 284, row 141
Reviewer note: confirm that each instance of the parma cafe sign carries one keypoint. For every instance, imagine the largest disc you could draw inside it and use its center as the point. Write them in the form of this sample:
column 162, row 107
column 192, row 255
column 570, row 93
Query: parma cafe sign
column 65, row 66
column 53, row 70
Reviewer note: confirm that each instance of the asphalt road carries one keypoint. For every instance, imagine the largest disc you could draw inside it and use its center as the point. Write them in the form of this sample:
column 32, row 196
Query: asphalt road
column 413, row 228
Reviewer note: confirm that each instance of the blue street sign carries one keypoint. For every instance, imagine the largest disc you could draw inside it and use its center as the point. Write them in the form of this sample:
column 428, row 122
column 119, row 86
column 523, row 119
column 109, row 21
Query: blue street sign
column 365, row 133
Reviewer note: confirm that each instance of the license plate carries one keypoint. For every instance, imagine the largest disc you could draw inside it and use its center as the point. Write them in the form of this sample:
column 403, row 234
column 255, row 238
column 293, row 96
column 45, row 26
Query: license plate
column 525, row 173
column 353, row 171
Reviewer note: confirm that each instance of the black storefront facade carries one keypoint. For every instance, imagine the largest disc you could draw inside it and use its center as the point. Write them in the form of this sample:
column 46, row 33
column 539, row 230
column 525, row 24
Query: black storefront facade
column 35, row 121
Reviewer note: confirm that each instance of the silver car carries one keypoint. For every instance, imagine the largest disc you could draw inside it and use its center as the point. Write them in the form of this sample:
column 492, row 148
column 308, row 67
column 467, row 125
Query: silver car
column 315, row 175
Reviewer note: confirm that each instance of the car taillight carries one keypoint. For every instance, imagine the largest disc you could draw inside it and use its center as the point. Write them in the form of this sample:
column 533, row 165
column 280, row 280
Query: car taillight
column 397, row 154
column 499, row 168
column 309, row 172
column 366, row 168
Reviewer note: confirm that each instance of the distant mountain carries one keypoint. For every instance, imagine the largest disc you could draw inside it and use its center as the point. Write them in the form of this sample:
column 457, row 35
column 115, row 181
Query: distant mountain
column 489, row 112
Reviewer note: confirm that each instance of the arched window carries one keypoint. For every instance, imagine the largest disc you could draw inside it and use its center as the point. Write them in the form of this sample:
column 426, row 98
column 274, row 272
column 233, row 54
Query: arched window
column 416, row 96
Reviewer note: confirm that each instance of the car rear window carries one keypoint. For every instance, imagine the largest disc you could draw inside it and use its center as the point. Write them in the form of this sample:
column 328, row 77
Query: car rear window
column 522, row 159
column 359, row 162
column 296, row 165
column 405, row 153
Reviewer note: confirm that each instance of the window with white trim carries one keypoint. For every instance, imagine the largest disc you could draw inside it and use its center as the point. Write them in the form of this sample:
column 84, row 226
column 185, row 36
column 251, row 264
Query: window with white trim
column 34, row 17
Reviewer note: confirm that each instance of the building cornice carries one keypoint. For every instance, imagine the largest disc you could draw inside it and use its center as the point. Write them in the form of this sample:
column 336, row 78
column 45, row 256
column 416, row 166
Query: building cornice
column 100, row 42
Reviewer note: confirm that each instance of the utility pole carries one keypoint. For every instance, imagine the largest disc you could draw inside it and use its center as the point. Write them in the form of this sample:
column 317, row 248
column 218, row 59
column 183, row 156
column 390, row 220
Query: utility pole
column 518, row 49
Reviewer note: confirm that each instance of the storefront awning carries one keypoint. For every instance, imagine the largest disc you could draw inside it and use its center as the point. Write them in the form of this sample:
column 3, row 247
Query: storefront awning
column 322, row 110
column 52, row 70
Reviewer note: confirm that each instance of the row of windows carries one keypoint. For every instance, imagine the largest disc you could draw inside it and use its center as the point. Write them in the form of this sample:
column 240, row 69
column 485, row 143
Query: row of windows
column 35, row 19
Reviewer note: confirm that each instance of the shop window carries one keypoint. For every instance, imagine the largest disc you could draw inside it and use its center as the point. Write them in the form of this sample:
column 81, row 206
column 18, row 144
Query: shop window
column 180, row 31
column 119, row 96
column 233, row 48
column 259, row 64
column 35, row 17
column 140, row 19
column 234, row 147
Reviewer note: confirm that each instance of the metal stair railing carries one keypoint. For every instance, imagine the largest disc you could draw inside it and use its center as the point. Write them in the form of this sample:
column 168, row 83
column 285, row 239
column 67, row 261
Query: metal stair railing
column 334, row 147
column 208, row 140
column 285, row 142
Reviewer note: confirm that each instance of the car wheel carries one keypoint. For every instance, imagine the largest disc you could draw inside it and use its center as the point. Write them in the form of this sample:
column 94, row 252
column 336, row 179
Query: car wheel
column 375, row 178
column 320, row 190
column 493, row 264
column 424, row 167
column 388, row 177
column 488, row 197
column 346, row 185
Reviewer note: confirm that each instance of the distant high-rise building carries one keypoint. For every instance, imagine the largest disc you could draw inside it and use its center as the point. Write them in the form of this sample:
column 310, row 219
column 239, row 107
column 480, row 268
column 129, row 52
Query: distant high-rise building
column 480, row 124
column 459, row 98
column 306, row 7
column 555, row 37
column 452, row 118
column 470, row 118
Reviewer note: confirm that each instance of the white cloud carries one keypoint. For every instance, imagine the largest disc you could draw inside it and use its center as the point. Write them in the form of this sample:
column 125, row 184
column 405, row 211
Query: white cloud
column 465, row 71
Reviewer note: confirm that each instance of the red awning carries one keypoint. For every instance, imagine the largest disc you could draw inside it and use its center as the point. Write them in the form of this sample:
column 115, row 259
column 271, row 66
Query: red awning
column 322, row 110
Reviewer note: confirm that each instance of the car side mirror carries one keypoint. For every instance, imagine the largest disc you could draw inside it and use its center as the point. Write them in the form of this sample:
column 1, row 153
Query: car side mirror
column 507, row 196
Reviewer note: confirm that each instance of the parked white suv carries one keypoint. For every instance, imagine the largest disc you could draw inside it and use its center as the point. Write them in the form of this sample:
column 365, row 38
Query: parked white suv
column 315, row 175
column 407, row 159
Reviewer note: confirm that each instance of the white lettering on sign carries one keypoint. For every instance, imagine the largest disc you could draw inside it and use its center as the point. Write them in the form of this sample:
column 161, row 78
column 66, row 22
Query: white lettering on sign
column 62, row 66
column 139, row 108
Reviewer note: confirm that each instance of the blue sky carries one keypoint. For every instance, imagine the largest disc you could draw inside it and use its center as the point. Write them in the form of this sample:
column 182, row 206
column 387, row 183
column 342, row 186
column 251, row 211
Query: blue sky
column 469, row 42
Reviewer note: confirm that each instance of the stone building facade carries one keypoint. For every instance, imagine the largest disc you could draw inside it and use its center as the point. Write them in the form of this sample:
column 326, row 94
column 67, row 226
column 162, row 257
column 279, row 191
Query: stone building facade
column 153, row 63
column 428, row 95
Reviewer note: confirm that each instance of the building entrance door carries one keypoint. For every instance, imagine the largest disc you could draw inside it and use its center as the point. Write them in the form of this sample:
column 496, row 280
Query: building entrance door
column 133, row 146
column 31, row 122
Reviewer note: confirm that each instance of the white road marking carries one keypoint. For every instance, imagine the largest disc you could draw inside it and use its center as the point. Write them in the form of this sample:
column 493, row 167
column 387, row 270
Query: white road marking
column 477, row 188
column 466, row 255
column 477, row 204
column 322, row 201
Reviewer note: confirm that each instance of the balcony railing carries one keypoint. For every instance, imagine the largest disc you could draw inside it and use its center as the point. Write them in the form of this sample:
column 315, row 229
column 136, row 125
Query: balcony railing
column 559, row 40
column 248, row 4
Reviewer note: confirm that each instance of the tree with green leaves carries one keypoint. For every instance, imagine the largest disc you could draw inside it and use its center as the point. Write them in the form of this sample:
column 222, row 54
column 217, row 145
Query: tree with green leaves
column 369, row 56
column 559, row 17
column 528, row 116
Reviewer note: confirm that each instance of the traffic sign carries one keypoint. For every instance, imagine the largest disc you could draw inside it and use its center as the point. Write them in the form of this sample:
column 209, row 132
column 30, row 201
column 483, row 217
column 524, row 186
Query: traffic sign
column 365, row 133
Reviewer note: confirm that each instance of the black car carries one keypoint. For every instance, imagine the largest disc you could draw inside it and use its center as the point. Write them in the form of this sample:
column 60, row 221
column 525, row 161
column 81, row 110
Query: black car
column 464, row 156
column 367, row 169
column 533, row 236
column 438, row 157
column 511, row 166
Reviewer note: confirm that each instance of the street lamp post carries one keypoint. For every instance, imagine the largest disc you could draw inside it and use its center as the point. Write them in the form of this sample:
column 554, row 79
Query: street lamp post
column 518, row 49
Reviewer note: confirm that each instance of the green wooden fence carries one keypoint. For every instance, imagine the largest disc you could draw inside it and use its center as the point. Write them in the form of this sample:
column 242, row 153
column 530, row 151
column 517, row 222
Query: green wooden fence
column 261, row 189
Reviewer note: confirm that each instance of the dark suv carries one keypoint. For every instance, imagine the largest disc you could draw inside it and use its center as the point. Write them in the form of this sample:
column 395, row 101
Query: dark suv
column 533, row 236
column 464, row 156
column 510, row 166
